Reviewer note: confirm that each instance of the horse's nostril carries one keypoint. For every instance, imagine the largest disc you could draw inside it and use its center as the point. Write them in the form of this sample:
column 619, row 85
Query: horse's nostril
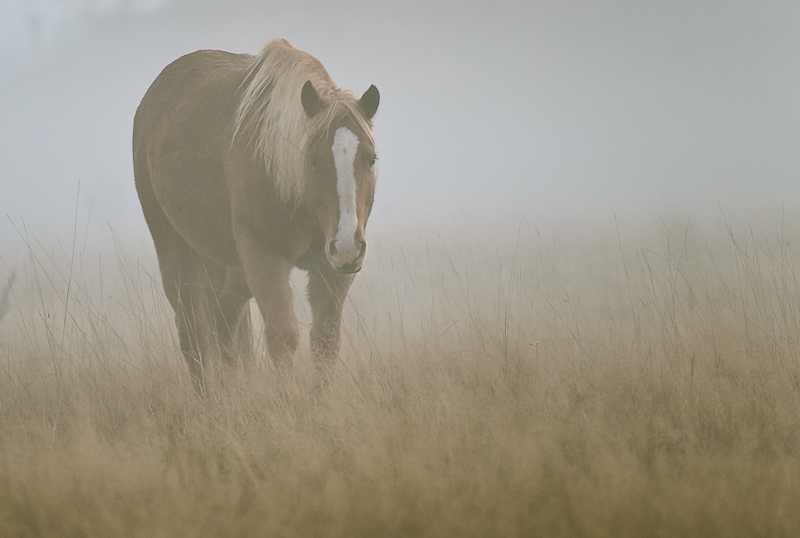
column 363, row 250
column 332, row 248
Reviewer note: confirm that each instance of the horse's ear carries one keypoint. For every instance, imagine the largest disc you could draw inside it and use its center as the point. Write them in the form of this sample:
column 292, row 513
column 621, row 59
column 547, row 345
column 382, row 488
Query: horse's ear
column 369, row 101
column 312, row 102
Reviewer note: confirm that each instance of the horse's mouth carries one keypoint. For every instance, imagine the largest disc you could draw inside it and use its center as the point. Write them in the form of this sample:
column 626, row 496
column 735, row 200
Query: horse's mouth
column 348, row 268
column 348, row 271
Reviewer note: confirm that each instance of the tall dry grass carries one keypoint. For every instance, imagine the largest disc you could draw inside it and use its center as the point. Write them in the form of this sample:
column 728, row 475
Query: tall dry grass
column 628, row 383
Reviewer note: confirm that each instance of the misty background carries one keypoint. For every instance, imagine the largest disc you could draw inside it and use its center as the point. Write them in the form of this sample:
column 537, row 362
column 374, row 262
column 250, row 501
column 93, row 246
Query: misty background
column 492, row 113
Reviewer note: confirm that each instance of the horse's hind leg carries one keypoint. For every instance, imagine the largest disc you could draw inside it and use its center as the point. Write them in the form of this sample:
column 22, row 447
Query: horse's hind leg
column 182, row 275
column 177, row 263
column 210, row 309
column 230, row 303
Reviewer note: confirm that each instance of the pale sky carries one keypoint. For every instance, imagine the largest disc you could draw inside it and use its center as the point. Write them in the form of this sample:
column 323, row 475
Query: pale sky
column 489, row 110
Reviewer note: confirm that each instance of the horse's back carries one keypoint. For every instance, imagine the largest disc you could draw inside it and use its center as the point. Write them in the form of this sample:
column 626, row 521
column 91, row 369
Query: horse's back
column 182, row 131
column 205, row 75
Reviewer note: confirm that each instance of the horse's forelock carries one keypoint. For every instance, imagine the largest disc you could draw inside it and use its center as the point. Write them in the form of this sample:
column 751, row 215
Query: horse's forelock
column 339, row 111
column 272, row 115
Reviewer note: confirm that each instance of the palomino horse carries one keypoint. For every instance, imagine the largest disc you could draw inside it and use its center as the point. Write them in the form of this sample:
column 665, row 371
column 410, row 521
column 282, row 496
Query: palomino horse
column 247, row 166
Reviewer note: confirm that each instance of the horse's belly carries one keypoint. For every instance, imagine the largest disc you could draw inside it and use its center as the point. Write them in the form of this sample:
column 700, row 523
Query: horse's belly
column 197, row 205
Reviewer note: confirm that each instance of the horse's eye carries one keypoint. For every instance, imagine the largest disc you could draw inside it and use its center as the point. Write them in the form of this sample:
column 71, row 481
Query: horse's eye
column 372, row 161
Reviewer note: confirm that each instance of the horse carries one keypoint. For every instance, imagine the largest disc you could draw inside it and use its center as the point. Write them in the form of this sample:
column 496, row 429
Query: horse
column 247, row 167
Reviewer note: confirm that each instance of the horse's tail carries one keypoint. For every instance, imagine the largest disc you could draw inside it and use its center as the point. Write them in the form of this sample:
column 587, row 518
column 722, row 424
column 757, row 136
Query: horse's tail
column 5, row 296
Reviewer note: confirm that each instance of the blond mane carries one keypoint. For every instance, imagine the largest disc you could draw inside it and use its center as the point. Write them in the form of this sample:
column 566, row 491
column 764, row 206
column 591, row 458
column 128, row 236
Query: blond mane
column 272, row 114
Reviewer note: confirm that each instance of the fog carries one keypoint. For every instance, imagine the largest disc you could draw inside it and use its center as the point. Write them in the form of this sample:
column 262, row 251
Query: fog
column 542, row 111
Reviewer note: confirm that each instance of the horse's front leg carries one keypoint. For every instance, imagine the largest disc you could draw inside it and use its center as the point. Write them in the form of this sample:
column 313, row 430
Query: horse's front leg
column 267, row 275
column 327, row 290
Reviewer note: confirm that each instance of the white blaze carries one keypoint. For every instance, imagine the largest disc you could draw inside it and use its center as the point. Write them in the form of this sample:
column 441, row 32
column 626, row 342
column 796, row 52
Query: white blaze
column 344, row 148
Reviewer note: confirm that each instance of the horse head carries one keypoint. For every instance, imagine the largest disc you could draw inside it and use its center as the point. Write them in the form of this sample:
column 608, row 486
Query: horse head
column 340, row 186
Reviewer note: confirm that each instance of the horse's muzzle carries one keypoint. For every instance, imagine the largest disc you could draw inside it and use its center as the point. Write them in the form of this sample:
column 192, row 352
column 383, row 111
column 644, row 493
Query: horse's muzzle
column 346, row 261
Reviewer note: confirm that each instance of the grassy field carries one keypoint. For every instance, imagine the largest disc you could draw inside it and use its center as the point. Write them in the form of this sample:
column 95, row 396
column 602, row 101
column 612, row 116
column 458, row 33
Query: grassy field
column 634, row 382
